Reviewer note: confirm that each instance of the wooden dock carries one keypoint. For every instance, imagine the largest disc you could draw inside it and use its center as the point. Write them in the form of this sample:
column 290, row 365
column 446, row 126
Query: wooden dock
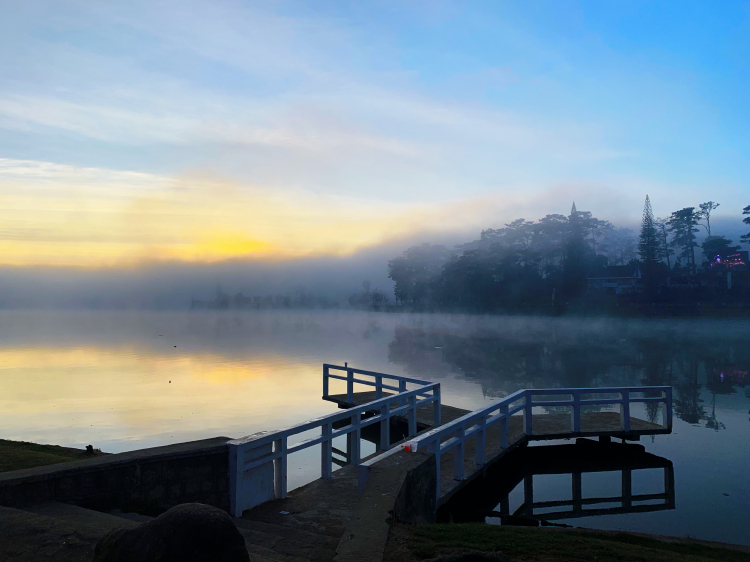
column 456, row 445
column 546, row 427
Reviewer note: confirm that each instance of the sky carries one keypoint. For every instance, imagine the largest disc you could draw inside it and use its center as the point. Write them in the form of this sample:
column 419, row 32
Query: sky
column 193, row 132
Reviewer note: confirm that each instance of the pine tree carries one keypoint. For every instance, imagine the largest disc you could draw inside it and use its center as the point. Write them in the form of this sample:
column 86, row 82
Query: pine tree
column 576, row 256
column 648, row 246
column 682, row 224
column 746, row 211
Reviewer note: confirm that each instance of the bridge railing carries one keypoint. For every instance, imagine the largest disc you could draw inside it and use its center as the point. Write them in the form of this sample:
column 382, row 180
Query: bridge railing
column 258, row 463
column 454, row 435
column 381, row 381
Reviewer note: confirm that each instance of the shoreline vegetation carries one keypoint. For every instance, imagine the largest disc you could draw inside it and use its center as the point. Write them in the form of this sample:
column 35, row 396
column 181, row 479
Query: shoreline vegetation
column 409, row 543
column 18, row 455
column 581, row 264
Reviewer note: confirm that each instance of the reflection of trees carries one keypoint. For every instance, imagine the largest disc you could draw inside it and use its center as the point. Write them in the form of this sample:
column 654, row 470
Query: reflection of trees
column 503, row 363
column 712, row 422
column 688, row 405
column 556, row 355
column 657, row 370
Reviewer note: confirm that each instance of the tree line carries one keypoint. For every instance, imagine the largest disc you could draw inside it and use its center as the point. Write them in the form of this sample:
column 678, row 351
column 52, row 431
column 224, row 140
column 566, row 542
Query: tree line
column 528, row 265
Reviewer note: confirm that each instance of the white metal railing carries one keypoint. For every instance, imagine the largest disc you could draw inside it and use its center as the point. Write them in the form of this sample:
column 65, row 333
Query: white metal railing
column 258, row 463
column 454, row 435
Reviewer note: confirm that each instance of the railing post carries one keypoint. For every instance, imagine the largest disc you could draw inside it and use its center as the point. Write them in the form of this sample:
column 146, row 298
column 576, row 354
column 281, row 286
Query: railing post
column 326, row 453
column 355, row 421
column 576, row 413
column 401, row 388
column 434, row 447
column 279, row 469
column 236, row 462
column 325, row 381
column 378, row 386
column 458, row 454
column 385, row 427
column 479, row 446
column 527, row 414
column 528, row 495
column 625, row 410
column 669, row 484
column 412, row 415
column 436, row 406
column 627, row 488
column 668, row 408
column 577, row 493
column 504, row 423
column 350, row 386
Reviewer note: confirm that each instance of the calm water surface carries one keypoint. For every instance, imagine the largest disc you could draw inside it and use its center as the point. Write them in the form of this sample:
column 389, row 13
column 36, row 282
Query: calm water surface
column 123, row 381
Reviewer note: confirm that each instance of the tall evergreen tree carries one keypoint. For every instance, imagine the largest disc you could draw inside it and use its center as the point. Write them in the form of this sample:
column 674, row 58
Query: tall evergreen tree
column 746, row 211
column 576, row 256
column 683, row 225
column 648, row 245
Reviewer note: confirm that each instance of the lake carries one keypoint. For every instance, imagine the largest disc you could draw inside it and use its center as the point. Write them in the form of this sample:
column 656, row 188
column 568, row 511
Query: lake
column 128, row 380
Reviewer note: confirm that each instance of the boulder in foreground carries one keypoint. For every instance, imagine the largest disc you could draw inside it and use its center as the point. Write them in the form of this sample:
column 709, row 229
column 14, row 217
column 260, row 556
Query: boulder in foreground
column 190, row 532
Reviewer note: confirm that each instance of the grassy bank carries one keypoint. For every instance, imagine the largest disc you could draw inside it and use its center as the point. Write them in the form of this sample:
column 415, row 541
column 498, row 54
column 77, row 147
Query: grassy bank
column 411, row 544
column 16, row 455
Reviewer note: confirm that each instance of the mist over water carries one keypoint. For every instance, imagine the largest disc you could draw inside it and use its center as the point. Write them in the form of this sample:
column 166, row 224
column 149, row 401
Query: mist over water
column 128, row 380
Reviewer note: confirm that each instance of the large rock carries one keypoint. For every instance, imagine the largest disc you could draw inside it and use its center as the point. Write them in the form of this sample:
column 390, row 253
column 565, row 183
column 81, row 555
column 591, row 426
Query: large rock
column 190, row 532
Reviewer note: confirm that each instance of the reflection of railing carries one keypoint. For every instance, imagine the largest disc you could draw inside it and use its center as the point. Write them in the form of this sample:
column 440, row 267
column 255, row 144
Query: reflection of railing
column 629, row 502
column 490, row 496
column 258, row 463
column 453, row 436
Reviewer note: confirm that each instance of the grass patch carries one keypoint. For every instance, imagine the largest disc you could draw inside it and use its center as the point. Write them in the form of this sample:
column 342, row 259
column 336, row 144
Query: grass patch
column 519, row 543
column 16, row 455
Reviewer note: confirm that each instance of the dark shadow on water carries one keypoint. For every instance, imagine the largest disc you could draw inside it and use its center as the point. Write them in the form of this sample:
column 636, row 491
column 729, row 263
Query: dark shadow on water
column 489, row 496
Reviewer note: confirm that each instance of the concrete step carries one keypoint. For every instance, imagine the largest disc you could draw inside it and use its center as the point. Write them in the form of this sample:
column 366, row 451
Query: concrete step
column 31, row 537
column 81, row 515
column 288, row 540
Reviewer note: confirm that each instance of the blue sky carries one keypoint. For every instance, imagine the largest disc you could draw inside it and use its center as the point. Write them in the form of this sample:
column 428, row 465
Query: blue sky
column 405, row 116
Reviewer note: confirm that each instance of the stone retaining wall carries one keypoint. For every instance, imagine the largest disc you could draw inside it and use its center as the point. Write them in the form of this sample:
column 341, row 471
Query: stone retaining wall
column 147, row 481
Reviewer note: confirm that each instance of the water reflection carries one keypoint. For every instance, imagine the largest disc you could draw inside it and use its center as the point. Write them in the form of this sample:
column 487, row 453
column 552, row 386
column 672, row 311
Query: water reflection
column 588, row 354
column 490, row 499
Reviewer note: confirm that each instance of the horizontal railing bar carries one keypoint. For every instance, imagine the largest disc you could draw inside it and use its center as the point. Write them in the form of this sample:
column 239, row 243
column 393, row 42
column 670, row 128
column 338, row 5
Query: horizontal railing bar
column 603, row 402
column 595, row 402
column 554, row 515
column 594, row 501
column 368, row 383
column 262, row 460
column 305, row 444
column 375, row 374
column 603, row 390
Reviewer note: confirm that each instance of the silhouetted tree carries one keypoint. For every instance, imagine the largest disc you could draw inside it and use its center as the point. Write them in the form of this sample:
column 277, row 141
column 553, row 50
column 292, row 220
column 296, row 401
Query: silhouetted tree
column 575, row 265
column 746, row 220
column 414, row 273
column 682, row 225
column 648, row 245
column 705, row 214
column 718, row 246
column 664, row 250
